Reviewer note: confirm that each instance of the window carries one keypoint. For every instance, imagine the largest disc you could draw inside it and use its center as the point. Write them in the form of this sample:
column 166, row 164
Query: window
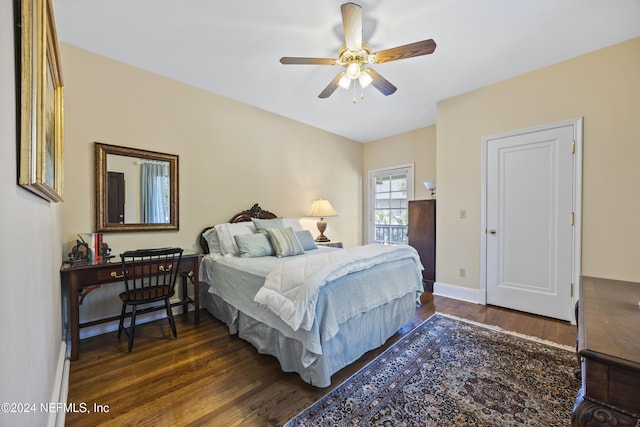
column 389, row 193
column 155, row 192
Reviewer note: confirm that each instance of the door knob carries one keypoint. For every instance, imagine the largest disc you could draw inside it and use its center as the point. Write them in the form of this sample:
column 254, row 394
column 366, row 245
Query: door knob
column 492, row 231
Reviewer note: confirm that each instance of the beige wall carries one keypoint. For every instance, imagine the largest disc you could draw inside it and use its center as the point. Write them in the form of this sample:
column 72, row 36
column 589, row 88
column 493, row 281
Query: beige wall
column 417, row 147
column 269, row 159
column 604, row 88
column 231, row 156
column 30, row 257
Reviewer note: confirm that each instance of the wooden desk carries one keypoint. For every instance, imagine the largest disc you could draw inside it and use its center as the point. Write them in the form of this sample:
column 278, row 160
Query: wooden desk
column 609, row 346
column 83, row 278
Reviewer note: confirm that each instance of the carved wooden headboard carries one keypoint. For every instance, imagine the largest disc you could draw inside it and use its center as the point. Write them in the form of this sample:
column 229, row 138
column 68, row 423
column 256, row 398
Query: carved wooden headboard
column 255, row 212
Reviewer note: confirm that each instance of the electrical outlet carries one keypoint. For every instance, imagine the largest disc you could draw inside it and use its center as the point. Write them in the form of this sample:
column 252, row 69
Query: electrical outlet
column 462, row 272
column 463, row 214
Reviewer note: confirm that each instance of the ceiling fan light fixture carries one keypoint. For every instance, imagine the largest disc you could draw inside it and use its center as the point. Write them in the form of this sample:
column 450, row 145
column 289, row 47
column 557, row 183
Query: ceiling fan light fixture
column 353, row 70
column 344, row 81
column 364, row 78
column 355, row 54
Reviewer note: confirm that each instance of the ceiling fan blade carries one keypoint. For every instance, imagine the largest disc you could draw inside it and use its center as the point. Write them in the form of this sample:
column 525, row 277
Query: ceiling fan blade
column 311, row 61
column 331, row 87
column 352, row 24
column 425, row 47
column 380, row 83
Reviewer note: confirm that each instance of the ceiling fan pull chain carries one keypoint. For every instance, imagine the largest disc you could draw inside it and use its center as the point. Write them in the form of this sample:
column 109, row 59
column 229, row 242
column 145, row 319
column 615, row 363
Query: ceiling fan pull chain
column 357, row 83
column 355, row 90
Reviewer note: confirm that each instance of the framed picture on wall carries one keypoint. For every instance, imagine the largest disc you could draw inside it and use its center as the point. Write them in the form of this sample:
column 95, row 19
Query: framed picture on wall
column 41, row 102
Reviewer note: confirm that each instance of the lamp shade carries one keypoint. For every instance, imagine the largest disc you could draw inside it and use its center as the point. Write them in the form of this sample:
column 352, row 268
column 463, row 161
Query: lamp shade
column 430, row 185
column 322, row 208
column 344, row 82
column 365, row 79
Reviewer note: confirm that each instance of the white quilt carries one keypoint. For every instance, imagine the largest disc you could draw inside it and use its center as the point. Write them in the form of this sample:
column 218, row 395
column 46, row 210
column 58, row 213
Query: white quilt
column 291, row 289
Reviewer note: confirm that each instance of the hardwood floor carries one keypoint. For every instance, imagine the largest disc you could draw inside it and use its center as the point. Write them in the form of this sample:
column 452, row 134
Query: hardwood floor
column 207, row 377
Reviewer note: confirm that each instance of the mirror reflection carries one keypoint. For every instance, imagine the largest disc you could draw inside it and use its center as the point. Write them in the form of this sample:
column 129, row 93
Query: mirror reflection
column 135, row 189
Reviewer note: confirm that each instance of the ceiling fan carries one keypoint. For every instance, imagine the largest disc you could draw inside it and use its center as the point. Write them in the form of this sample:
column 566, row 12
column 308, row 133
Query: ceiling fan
column 355, row 56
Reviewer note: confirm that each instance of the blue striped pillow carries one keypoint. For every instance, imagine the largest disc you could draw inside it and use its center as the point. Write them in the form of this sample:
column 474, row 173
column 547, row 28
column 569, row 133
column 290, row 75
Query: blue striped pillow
column 284, row 241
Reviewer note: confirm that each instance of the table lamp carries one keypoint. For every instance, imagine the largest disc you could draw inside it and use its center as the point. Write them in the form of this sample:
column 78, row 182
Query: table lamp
column 321, row 209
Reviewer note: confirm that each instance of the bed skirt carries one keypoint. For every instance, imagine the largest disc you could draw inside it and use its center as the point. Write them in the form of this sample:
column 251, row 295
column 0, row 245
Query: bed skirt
column 356, row 336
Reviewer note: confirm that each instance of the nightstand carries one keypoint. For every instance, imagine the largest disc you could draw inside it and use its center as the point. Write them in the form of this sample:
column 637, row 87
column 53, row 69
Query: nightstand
column 330, row 244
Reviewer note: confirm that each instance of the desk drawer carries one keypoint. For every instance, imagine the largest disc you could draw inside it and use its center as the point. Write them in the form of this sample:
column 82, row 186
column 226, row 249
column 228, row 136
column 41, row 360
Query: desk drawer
column 110, row 274
column 102, row 274
column 116, row 273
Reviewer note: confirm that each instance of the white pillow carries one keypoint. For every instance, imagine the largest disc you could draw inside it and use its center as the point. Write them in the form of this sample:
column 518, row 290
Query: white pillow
column 226, row 236
column 294, row 223
column 211, row 236
column 263, row 224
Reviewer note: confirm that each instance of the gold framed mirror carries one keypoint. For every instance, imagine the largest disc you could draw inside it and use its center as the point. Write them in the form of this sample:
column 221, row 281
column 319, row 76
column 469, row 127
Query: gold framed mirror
column 136, row 190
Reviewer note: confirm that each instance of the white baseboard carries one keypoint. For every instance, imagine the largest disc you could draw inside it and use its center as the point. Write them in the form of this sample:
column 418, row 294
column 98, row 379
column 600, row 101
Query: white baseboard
column 458, row 292
column 103, row 328
column 60, row 387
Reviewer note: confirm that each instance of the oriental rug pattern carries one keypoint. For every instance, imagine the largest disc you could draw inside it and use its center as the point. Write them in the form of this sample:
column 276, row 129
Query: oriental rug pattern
column 449, row 372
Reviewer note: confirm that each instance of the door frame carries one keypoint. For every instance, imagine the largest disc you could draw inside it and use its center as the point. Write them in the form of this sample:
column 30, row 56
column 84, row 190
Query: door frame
column 576, row 258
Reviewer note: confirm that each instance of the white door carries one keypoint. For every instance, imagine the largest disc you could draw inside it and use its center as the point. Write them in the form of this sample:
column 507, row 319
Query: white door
column 530, row 220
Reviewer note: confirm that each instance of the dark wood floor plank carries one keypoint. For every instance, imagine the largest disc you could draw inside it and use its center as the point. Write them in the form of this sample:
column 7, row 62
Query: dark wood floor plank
column 207, row 377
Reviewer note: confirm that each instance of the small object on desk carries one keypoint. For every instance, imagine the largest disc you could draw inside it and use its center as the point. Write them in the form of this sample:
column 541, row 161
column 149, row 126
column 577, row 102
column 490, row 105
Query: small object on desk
column 93, row 247
column 87, row 261
column 79, row 252
column 104, row 251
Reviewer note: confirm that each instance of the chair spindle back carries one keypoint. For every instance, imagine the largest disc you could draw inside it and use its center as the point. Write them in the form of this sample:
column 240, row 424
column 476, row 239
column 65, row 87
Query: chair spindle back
column 150, row 274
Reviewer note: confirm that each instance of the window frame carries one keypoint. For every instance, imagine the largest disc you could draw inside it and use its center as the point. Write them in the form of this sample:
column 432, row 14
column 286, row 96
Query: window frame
column 408, row 171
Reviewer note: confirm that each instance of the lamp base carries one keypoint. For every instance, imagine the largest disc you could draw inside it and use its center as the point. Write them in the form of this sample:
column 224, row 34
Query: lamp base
column 322, row 225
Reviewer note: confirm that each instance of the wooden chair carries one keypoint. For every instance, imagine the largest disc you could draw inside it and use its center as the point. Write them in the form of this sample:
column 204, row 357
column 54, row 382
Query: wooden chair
column 149, row 276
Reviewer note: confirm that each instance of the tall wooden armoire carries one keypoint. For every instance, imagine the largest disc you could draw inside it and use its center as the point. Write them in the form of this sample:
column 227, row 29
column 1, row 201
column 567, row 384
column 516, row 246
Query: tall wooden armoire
column 422, row 236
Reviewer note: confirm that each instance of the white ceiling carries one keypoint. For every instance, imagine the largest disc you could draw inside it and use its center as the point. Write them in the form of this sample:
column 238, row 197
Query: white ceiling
column 232, row 48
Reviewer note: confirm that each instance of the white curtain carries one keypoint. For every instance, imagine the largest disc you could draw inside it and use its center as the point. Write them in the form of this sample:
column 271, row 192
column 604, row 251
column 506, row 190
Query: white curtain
column 154, row 209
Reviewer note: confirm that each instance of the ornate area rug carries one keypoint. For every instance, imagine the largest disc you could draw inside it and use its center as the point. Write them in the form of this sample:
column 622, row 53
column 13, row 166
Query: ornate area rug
column 450, row 372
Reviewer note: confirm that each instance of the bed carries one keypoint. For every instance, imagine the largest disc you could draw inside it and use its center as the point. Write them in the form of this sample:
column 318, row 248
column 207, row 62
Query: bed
column 316, row 311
